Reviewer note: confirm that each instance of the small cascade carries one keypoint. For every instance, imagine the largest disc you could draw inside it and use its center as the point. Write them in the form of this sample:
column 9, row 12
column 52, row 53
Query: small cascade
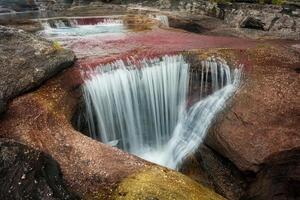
column 164, row 20
column 142, row 107
column 72, row 27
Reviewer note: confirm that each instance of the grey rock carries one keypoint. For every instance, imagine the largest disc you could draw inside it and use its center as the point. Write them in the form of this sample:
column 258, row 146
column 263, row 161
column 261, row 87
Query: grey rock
column 26, row 61
column 2, row 106
column 29, row 174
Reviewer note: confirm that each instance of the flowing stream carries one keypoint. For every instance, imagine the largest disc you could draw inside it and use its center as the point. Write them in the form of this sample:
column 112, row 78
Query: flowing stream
column 142, row 107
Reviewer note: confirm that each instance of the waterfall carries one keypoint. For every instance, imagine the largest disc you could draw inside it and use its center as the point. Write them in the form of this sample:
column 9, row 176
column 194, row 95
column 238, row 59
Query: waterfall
column 141, row 107
column 136, row 105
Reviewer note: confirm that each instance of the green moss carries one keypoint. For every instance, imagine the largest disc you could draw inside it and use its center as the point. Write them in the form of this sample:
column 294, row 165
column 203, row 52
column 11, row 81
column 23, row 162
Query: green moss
column 277, row 2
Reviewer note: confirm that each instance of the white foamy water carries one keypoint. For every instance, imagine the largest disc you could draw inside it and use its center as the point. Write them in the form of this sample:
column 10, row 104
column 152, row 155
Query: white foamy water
column 142, row 108
column 71, row 28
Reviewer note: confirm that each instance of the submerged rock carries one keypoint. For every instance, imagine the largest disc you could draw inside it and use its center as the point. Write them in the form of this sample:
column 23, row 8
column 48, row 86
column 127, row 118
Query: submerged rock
column 29, row 174
column 26, row 61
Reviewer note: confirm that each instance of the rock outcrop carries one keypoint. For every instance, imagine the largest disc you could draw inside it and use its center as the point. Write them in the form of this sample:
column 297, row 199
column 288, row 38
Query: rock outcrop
column 244, row 18
column 26, row 61
column 263, row 119
column 29, row 174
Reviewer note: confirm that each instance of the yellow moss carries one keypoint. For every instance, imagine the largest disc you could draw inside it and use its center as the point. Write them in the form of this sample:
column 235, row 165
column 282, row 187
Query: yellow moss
column 163, row 184
column 56, row 46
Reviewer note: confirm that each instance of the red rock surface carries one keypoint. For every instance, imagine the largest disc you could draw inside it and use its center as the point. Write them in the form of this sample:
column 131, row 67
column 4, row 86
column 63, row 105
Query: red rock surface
column 264, row 116
column 41, row 119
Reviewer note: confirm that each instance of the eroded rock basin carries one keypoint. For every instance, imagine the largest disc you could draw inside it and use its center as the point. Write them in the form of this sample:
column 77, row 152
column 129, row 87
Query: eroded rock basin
column 42, row 118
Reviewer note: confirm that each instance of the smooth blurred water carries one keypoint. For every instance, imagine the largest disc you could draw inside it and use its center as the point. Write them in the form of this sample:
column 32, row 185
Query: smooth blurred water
column 142, row 107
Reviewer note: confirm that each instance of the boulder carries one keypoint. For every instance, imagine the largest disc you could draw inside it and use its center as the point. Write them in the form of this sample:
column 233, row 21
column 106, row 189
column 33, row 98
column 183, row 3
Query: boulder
column 279, row 177
column 29, row 174
column 263, row 118
column 26, row 61
column 252, row 23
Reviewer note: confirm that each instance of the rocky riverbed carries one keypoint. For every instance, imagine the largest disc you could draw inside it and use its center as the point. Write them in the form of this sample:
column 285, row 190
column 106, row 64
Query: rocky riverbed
column 250, row 152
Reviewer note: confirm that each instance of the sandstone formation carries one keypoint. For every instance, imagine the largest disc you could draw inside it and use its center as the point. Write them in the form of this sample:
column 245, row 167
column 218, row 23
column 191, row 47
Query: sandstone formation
column 26, row 61
column 29, row 174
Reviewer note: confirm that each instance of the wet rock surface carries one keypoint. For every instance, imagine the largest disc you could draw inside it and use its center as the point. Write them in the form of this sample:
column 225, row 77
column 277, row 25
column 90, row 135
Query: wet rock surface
column 26, row 61
column 29, row 174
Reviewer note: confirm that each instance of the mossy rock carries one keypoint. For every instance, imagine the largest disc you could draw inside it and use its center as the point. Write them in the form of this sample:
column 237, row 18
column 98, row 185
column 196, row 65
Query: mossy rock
column 157, row 183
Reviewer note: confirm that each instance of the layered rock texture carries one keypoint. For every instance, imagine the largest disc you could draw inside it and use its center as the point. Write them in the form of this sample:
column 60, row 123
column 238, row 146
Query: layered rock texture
column 26, row 61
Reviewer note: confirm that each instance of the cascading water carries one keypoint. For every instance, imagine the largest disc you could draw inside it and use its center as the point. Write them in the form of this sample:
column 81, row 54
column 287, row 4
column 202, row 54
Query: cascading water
column 162, row 18
column 142, row 108
column 74, row 27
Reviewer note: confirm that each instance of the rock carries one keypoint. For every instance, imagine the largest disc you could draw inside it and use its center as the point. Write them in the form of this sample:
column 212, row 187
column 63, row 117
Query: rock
column 216, row 172
column 29, row 174
column 252, row 23
column 2, row 106
column 274, row 20
column 26, row 61
column 6, row 10
column 19, row 5
column 158, row 183
column 279, row 177
column 164, row 4
column 264, row 116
